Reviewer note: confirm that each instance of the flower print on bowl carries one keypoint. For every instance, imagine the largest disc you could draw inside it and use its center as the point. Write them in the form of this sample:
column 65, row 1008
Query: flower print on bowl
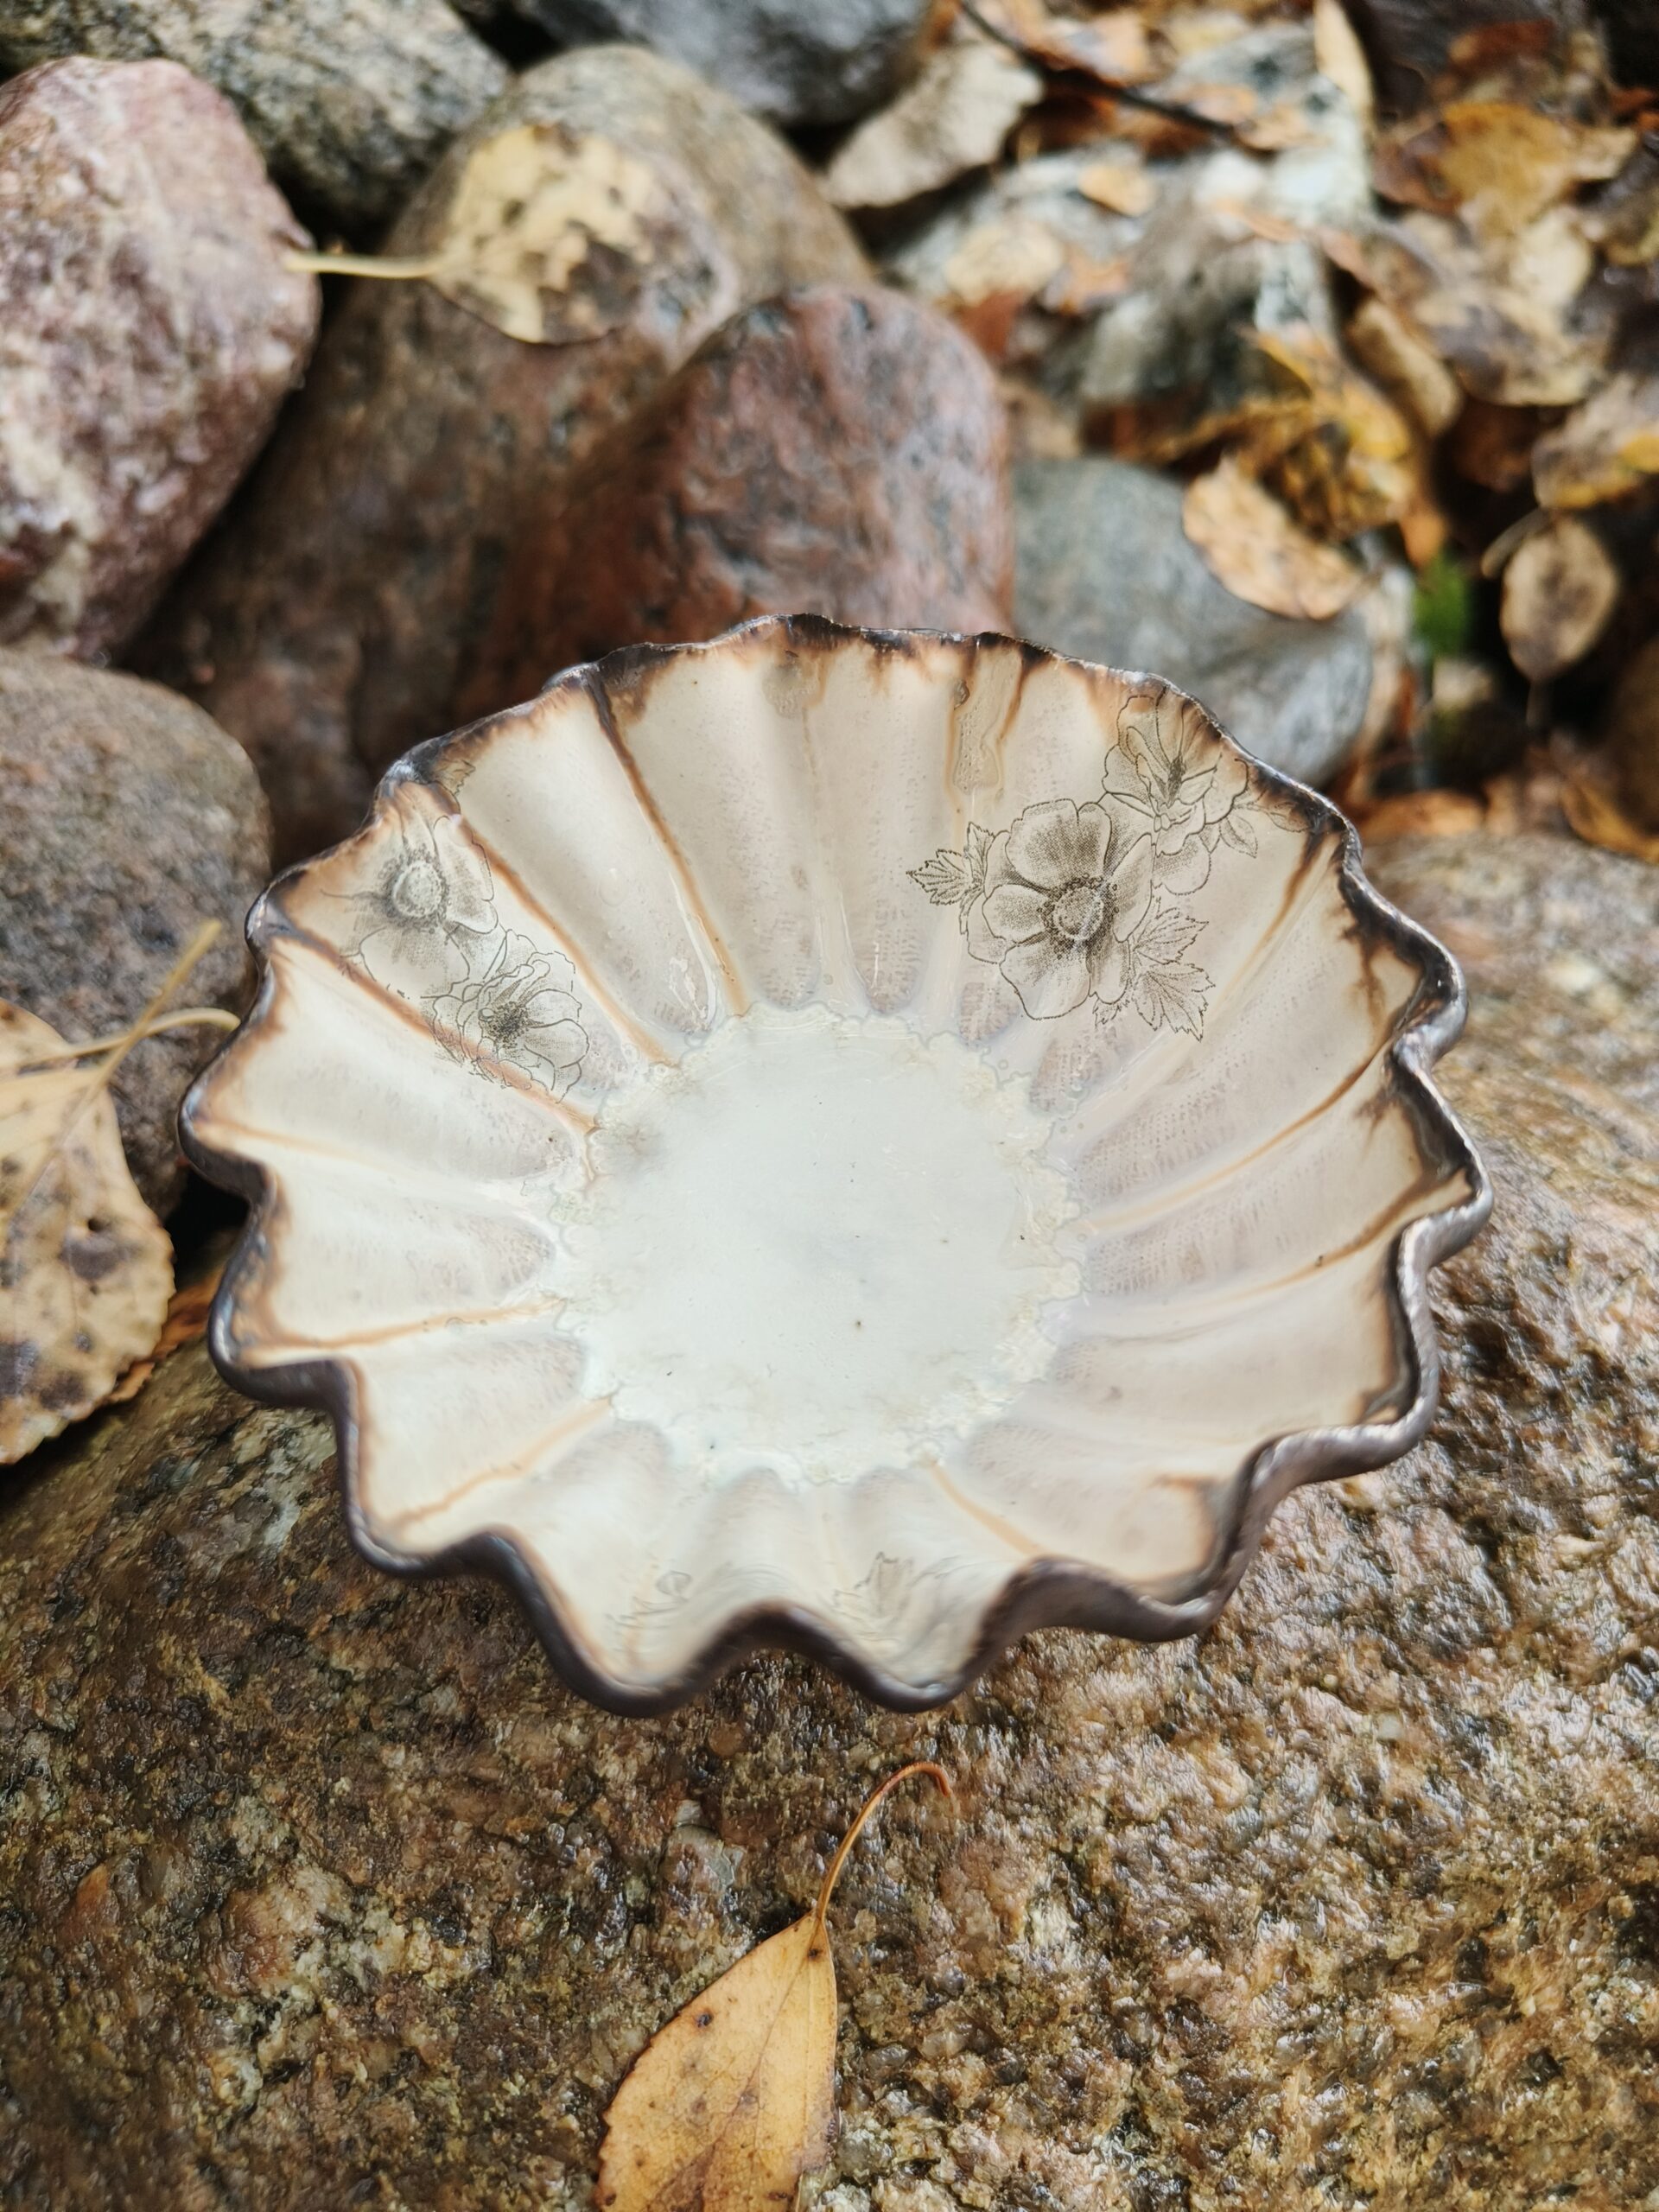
column 431, row 893
column 517, row 1007
column 1168, row 767
column 1065, row 888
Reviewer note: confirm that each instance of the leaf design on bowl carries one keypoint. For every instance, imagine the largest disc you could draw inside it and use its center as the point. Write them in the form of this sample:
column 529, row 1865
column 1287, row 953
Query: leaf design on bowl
column 870, row 1141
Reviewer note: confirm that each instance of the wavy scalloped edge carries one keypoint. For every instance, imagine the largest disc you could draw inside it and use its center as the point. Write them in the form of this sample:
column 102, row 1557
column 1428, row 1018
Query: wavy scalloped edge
column 1048, row 1593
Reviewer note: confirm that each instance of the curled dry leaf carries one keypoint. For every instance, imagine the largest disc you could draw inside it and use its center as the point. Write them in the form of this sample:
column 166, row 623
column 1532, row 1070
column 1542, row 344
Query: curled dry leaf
column 86, row 1269
column 953, row 119
column 1414, row 377
column 1596, row 815
column 532, row 206
column 1501, row 164
column 1258, row 550
column 1606, row 447
column 1560, row 589
column 730, row 2104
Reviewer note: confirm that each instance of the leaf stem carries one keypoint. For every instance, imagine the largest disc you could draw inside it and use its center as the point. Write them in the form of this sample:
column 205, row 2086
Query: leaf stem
column 187, row 1017
column 393, row 267
column 916, row 1766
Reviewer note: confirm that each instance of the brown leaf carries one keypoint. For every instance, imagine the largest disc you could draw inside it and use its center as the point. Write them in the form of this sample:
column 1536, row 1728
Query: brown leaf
column 187, row 1316
column 952, row 118
column 1500, row 163
column 1606, row 447
column 1560, row 589
column 1414, row 377
column 1598, row 817
column 86, row 1269
column 1256, row 548
column 731, row 2103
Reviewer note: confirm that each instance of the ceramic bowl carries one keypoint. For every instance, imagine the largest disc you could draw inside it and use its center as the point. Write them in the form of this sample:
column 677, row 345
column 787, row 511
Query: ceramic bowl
column 873, row 1142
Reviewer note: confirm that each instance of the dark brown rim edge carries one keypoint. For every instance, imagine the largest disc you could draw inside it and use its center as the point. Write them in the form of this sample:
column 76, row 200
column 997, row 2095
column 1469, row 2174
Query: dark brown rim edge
column 1048, row 1592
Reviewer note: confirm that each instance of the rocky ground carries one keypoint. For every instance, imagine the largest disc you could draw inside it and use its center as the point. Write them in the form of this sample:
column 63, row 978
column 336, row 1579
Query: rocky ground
column 315, row 1884
column 1305, row 354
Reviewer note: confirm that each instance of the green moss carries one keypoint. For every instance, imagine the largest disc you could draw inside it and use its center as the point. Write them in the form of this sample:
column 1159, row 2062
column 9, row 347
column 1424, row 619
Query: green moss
column 1442, row 610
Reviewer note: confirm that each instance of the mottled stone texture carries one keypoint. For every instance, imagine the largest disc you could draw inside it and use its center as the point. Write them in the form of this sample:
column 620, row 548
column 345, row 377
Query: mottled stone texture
column 329, row 623
column 316, row 1888
column 1107, row 572
column 148, row 332
column 350, row 101
column 840, row 451
column 825, row 62
column 126, row 818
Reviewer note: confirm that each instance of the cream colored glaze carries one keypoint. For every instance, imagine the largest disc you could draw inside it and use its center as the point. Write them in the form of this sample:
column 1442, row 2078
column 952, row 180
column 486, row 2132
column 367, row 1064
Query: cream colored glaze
column 813, row 1124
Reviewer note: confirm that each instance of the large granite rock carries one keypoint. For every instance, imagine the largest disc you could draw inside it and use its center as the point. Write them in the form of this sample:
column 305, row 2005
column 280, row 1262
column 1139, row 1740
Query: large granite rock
column 840, row 451
column 148, row 332
column 350, row 101
column 317, row 1889
column 329, row 623
column 1105, row 571
column 126, row 820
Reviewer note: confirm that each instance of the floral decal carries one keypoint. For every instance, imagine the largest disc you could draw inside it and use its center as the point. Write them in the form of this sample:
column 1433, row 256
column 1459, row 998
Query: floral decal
column 518, row 1009
column 427, row 930
column 1065, row 899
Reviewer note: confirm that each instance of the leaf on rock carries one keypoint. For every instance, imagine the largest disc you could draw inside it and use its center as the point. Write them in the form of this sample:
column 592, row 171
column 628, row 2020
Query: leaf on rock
column 86, row 1269
column 1561, row 587
column 1258, row 550
column 534, row 205
column 952, row 118
column 1603, row 450
column 731, row 2103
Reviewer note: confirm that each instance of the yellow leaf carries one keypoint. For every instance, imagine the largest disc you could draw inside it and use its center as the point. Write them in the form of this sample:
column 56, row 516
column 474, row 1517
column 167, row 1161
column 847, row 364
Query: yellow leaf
column 533, row 204
column 1339, row 56
column 1599, row 819
column 86, row 1268
column 1501, row 164
column 1121, row 187
column 1603, row 449
column 1258, row 550
column 731, row 2103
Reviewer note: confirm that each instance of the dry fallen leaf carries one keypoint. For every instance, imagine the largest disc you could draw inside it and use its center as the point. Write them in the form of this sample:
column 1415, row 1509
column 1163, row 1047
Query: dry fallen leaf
column 953, row 119
column 1123, row 187
column 1012, row 257
column 1257, row 549
column 532, row 205
column 1502, row 164
column 1597, row 816
column 86, row 1269
column 187, row 1315
column 1561, row 587
column 730, row 2104
column 1414, row 377
column 1603, row 450
column 1339, row 57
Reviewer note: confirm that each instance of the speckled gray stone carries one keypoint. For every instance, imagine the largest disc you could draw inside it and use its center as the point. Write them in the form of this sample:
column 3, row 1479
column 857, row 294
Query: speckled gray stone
column 825, row 62
column 127, row 817
column 1105, row 572
column 315, row 1889
column 351, row 101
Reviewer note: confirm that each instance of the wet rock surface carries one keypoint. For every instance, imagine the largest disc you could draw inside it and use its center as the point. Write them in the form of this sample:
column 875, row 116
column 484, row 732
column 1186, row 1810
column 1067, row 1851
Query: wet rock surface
column 840, row 451
column 822, row 63
column 126, row 818
column 316, row 1885
column 350, row 101
column 148, row 332
column 1106, row 572
column 329, row 623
